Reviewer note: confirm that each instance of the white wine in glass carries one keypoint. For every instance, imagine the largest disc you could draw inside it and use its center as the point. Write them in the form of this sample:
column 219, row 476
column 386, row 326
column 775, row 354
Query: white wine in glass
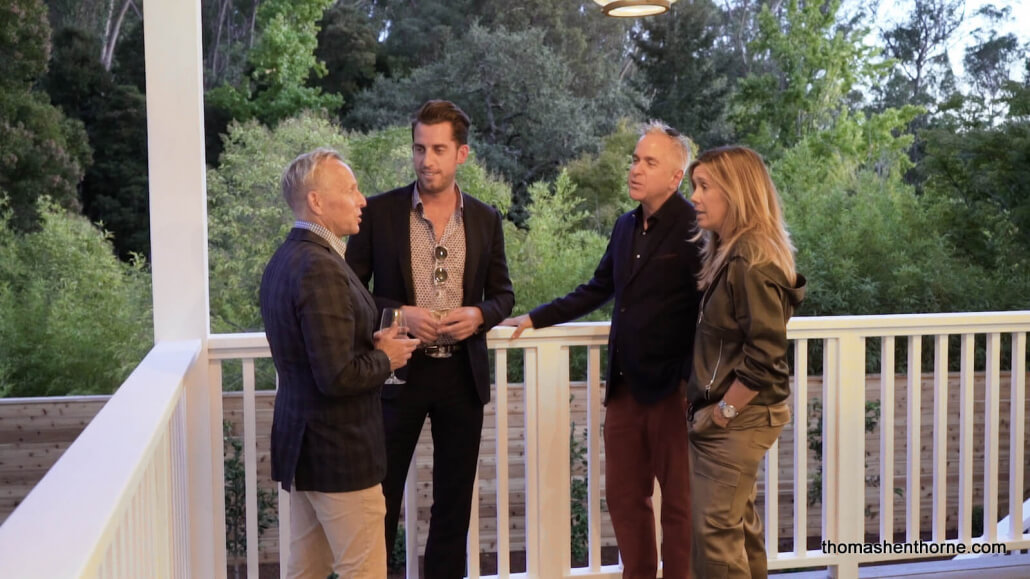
column 394, row 318
column 439, row 315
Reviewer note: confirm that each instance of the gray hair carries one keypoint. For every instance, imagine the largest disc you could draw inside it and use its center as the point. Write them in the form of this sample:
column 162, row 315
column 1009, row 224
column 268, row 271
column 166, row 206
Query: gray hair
column 300, row 174
column 683, row 144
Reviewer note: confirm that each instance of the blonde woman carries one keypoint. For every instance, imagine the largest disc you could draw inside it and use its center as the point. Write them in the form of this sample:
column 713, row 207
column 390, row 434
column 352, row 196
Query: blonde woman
column 739, row 385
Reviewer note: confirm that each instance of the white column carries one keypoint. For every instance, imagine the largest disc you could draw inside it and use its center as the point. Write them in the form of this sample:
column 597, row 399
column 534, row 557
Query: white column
column 548, row 529
column 178, row 233
column 848, row 413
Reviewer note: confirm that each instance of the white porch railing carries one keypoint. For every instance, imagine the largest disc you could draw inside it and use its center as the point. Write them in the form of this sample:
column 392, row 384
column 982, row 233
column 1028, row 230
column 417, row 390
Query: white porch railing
column 115, row 504
column 843, row 339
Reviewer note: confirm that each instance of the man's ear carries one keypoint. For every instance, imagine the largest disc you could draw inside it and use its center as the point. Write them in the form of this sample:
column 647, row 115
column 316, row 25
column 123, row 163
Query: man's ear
column 463, row 153
column 678, row 176
column 314, row 202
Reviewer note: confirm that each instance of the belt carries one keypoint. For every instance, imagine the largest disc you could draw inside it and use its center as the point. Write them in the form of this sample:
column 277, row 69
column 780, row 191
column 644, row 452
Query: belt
column 442, row 349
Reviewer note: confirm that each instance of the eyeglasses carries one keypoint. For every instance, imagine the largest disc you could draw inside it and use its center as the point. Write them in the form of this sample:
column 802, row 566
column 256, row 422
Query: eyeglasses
column 439, row 272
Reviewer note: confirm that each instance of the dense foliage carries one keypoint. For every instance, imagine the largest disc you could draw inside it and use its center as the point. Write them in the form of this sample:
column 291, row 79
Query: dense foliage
column 904, row 178
column 74, row 319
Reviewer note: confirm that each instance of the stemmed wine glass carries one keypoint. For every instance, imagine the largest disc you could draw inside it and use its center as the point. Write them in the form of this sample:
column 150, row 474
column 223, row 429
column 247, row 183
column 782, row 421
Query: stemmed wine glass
column 394, row 318
column 439, row 315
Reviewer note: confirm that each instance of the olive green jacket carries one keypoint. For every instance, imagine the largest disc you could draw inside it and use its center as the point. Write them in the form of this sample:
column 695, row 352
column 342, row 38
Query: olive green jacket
column 742, row 333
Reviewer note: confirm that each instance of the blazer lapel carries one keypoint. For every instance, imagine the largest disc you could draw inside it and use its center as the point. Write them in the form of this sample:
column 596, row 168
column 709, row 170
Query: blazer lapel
column 366, row 297
column 401, row 216
column 473, row 248
column 624, row 245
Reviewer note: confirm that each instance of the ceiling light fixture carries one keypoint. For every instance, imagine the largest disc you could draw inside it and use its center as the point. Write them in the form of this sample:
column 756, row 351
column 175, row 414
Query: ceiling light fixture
column 633, row 8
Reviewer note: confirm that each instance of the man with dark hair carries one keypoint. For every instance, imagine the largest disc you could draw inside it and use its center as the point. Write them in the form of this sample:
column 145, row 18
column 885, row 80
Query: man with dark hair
column 437, row 253
column 327, row 440
column 649, row 268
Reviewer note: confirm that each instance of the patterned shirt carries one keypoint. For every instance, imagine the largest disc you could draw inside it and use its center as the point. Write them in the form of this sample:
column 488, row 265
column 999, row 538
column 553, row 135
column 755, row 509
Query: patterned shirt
column 438, row 274
column 335, row 242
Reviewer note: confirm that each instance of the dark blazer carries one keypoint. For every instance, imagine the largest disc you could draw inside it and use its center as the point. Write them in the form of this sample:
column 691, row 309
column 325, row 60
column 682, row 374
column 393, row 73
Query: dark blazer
column 652, row 333
column 327, row 431
column 381, row 253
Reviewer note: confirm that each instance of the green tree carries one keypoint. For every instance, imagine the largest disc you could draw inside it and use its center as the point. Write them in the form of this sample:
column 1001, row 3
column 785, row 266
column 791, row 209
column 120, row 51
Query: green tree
column 107, row 20
column 526, row 120
column 41, row 151
column 229, row 34
column 919, row 45
column 987, row 63
column 978, row 180
column 600, row 180
column 815, row 63
column 348, row 47
column 280, row 64
column 556, row 253
column 594, row 47
column 684, row 71
column 867, row 243
column 114, row 190
column 73, row 318
column 415, row 34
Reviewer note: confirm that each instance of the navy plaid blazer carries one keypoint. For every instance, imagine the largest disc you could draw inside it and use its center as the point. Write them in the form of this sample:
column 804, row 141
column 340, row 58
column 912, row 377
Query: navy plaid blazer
column 327, row 430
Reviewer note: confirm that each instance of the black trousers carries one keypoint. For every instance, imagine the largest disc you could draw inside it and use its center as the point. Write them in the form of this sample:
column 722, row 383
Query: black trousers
column 443, row 390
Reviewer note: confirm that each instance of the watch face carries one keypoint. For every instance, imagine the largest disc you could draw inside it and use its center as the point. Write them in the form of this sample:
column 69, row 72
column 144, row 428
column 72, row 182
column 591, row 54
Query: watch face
column 727, row 410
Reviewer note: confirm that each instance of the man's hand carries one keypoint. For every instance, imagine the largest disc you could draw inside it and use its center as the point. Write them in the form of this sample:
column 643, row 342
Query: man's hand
column 397, row 347
column 421, row 324
column 461, row 323
column 522, row 322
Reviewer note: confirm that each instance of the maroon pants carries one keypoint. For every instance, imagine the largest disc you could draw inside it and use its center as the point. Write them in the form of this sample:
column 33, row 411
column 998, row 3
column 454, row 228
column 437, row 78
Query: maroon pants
column 642, row 443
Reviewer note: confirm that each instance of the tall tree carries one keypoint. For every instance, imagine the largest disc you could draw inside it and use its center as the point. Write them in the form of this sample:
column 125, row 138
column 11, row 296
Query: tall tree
column 919, row 45
column 347, row 45
column 416, row 33
column 107, row 20
column 594, row 47
column 683, row 71
column 281, row 62
column 230, row 28
column 114, row 190
column 988, row 64
column 815, row 63
column 526, row 120
column 41, row 151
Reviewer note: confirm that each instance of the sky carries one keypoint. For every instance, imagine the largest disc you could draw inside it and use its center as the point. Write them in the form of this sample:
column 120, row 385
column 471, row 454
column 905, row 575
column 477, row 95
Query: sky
column 892, row 12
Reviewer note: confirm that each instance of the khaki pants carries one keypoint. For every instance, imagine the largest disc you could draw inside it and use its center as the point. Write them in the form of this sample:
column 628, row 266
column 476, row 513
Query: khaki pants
column 337, row 532
column 728, row 540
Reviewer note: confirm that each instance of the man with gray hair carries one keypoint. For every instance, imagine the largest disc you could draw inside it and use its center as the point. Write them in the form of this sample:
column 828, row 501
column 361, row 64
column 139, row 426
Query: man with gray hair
column 327, row 438
column 649, row 268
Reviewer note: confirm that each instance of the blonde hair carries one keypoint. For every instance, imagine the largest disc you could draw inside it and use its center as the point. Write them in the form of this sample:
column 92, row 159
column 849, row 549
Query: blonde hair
column 302, row 174
column 753, row 215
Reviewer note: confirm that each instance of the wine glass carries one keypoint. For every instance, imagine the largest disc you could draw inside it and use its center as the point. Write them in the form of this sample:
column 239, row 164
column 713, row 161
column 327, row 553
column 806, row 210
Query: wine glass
column 439, row 314
column 394, row 318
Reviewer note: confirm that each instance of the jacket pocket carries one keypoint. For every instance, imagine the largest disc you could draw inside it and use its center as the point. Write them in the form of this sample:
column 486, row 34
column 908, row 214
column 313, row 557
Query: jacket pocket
column 779, row 414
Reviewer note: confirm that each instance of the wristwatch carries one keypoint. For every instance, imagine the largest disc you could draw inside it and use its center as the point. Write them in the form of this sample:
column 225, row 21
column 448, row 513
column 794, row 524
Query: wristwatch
column 728, row 410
